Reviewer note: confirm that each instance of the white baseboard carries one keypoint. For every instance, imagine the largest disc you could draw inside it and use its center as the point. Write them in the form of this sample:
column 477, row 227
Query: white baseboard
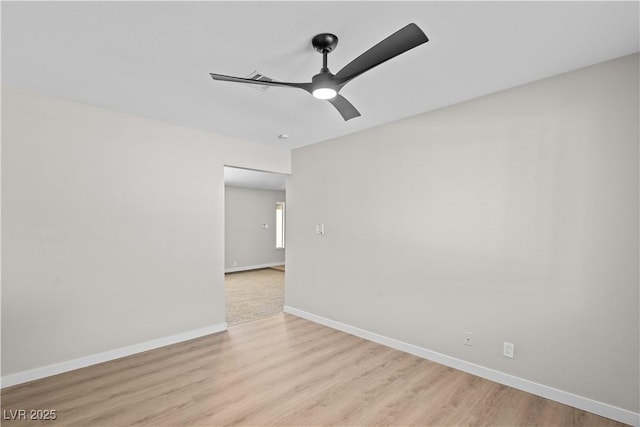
column 252, row 267
column 70, row 365
column 580, row 402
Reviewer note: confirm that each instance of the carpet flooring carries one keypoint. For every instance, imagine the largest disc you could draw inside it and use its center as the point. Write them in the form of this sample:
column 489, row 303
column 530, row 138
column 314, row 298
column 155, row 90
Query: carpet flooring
column 254, row 294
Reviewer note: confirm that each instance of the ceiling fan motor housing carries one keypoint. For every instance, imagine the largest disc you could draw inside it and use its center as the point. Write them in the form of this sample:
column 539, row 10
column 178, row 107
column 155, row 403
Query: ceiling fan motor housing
column 323, row 79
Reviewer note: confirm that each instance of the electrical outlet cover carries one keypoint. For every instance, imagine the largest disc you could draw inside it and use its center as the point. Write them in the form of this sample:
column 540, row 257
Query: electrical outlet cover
column 468, row 339
column 508, row 350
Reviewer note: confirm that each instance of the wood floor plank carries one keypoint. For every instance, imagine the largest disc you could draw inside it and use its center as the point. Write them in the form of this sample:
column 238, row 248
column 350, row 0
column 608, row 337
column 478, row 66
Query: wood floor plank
column 281, row 370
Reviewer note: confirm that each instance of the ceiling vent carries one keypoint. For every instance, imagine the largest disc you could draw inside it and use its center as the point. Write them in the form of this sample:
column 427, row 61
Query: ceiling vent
column 259, row 77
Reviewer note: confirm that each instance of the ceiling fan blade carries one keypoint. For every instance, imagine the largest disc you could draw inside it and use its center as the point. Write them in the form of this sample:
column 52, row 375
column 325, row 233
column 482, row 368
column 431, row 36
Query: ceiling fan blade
column 344, row 107
column 399, row 42
column 221, row 77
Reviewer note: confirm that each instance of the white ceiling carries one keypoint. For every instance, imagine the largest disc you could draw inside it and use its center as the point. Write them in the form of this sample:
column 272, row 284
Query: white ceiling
column 153, row 58
column 249, row 178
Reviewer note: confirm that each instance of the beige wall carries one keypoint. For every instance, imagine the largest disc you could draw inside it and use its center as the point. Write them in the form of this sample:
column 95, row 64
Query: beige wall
column 246, row 242
column 112, row 228
column 513, row 216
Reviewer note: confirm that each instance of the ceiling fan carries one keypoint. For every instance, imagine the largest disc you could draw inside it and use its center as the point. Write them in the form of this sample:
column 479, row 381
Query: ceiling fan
column 326, row 85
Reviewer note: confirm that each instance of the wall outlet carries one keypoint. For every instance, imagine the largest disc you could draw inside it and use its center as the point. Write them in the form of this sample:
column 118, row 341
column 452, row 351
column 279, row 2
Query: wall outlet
column 468, row 338
column 235, row 263
column 508, row 350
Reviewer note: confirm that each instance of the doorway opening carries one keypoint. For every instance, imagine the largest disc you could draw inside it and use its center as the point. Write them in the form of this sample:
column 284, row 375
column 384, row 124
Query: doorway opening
column 255, row 244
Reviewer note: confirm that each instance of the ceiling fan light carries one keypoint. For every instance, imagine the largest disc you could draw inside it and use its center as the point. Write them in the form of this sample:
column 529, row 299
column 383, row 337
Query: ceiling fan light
column 324, row 93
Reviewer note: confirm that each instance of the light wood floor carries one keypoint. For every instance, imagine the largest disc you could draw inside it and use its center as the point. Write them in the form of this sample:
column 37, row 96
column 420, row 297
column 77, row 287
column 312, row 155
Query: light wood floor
column 282, row 370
